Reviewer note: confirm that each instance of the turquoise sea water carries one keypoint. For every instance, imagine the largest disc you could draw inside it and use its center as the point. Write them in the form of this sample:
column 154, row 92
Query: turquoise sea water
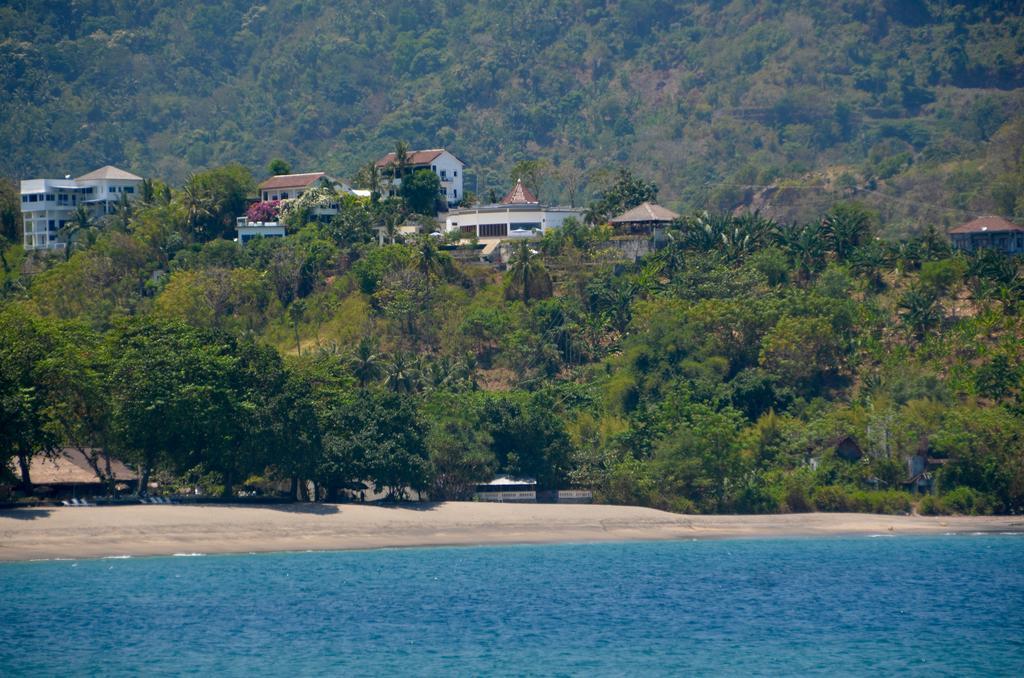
column 858, row 606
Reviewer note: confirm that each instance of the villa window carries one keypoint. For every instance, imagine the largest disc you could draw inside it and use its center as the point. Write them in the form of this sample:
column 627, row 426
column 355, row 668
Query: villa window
column 33, row 198
column 493, row 230
column 24, row 198
column 284, row 195
column 129, row 189
column 455, row 173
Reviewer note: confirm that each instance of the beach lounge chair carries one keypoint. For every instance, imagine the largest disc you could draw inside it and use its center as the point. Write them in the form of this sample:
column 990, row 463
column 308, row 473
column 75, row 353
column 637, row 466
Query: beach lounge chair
column 65, row 502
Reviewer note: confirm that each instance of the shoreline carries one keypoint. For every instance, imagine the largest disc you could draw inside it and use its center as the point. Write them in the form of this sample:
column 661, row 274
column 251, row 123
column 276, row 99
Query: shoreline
column 166, row 530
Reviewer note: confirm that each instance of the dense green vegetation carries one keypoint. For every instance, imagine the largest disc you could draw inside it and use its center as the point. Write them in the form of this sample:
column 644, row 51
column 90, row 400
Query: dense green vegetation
column 717, row 374
column 912, row 106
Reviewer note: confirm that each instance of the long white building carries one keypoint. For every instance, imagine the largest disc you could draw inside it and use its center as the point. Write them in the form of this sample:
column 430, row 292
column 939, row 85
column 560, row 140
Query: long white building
column 518, row 214
column 48, row 204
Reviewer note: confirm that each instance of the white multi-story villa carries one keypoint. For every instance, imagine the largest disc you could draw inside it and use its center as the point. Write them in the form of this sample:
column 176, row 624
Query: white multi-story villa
column 446, row 166
column 48, row 204
column 518, row 214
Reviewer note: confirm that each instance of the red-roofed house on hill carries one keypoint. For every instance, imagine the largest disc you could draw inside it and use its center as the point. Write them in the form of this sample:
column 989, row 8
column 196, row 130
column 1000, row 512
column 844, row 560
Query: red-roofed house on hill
column 446, row 166
column 989, row 233
column 288, row 186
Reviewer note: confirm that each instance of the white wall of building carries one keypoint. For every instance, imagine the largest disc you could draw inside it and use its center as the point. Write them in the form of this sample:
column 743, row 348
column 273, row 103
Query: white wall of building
column 502, row 221
column 48, row 204
column 448, row 169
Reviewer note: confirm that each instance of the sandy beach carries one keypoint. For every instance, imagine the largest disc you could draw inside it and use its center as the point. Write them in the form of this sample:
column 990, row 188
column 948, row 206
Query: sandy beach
column 94, row 532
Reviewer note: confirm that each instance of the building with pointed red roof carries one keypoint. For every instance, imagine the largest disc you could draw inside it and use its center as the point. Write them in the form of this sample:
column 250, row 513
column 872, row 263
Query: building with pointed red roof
column 519, row 195
column 517, row 215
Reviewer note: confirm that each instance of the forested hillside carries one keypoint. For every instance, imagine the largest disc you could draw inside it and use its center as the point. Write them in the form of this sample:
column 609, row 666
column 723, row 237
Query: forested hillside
column 746, row 366
column 912, row 106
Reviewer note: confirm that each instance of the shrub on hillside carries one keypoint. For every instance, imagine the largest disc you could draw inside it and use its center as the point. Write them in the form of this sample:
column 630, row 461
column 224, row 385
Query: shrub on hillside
column 968, row 501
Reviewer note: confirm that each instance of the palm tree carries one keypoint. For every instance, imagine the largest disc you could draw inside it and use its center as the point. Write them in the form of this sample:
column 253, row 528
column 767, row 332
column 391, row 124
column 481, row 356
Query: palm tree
column 441, row 372
column 371, row 177
column 429, row 259
column 846, row 229
column 402, row 373
column 868, row 261
column 922, row 311
column 123, row 212
column 366, row 362
column 197, row 200
column 295, row 313
column 806, row 246
column 527, row 277
column 81, row 224
column 401, row 162
column 147, row 192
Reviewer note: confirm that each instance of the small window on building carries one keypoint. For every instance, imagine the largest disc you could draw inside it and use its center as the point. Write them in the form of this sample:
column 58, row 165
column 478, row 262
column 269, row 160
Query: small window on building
column 284, row 195
column 33, row 198
column 455, row 173
column 129, row 189
column 24, row 198
column 51, row 224
column 112, row 189
column 50, row 196
column 455, row 193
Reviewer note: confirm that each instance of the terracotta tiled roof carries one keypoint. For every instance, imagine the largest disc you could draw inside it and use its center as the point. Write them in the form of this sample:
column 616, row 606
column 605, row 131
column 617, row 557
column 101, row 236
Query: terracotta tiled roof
column 519, row 195
column 414, row 157
column 646, row 212
column 987, row 225
column 290, row 181
column 109, row 172
column 70, row 467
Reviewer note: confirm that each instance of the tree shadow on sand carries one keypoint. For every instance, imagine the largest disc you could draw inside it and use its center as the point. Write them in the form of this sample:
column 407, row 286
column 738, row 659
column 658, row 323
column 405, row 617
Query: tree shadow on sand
column 25, row 513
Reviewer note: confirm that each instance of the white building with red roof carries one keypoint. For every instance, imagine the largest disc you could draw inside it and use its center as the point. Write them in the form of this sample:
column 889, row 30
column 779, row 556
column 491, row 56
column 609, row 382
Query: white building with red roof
column 291, row 186
column 444, row 164
column 518, row 214
column 988, row 233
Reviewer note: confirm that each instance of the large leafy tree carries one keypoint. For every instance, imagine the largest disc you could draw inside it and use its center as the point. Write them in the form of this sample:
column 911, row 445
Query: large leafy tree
column 420, row 191
column 27, row 387
column 171, row 394
column 213, row 198
column 625, row 192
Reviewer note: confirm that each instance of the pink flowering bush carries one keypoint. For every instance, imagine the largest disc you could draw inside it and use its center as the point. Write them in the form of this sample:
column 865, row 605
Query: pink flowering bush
column 264, row 211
